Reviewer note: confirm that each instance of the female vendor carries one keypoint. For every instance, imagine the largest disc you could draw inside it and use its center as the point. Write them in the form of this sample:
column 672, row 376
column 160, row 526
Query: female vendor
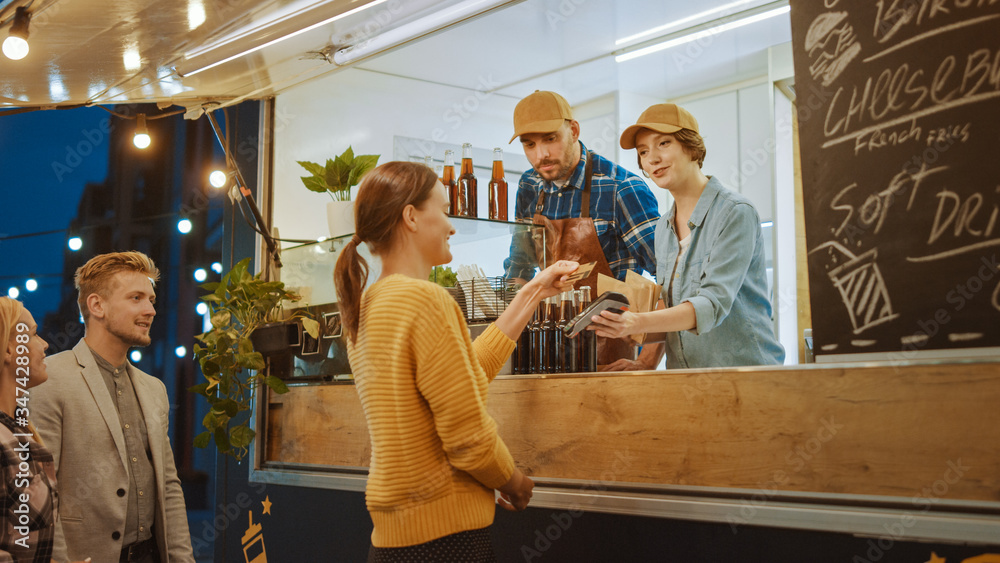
column 709, row 256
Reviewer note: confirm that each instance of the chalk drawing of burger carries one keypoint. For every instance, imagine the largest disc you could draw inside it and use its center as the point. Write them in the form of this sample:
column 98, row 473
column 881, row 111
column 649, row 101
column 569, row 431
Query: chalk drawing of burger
column 831, row 45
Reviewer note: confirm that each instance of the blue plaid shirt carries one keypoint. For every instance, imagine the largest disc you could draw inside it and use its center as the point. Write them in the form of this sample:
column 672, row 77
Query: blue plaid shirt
column 622, row 207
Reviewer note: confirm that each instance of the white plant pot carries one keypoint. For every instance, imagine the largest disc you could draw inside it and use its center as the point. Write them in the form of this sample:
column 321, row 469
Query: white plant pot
column 340, row 218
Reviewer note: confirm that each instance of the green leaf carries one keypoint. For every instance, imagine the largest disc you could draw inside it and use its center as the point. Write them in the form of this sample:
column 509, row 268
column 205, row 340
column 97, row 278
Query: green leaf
column 229, row 406
column 242, row 436
column 200, row 389
column 362, row 165
column 311, row 327
column 337, row 173
column 253, row 360
column 201, row 440
column 239, row 269
column 312, row 168
column 221, row 319
column 222, row 439
column 315, row 183
column 276, row 384
column 348, row 155
column 210, row 421
column 245, row 346
column 223, row 343
column 209, row 368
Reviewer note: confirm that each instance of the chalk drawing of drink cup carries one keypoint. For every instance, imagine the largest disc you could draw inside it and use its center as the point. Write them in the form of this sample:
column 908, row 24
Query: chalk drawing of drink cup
column 861, row 285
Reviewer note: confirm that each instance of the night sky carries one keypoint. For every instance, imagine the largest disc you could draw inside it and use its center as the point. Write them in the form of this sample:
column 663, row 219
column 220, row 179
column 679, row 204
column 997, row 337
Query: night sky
column 47, row 157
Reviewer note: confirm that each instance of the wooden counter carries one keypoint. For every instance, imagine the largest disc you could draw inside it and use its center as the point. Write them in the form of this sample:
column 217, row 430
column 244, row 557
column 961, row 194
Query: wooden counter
column 906, row 434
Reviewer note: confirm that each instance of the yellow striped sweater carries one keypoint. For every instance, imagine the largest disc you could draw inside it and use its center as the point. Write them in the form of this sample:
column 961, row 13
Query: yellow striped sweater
column 436, row 454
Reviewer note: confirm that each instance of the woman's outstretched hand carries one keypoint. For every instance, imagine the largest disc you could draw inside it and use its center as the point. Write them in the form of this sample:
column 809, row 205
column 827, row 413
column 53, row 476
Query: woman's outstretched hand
column 553, row 280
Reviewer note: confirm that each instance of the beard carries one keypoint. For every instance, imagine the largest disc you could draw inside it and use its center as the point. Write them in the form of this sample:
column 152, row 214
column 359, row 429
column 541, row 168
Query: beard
column 564, row 166
column 130, row 334
column 563, row 171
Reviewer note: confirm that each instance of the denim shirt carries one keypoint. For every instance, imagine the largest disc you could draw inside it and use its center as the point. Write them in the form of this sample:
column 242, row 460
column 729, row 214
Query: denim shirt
column 723, row 276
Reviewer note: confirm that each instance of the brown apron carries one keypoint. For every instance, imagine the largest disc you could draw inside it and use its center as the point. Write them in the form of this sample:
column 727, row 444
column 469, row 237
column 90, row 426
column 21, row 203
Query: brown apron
column 576, row 239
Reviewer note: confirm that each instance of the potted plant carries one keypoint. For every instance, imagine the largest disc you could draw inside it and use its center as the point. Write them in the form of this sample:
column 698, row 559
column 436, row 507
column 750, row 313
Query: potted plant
column 242, row 305
column 336, row 179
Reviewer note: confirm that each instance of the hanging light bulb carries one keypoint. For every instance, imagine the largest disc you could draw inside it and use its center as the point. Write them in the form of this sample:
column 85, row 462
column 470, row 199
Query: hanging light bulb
column 218, row 178
column 31, row 284
column 141, row 138
column 16, row 44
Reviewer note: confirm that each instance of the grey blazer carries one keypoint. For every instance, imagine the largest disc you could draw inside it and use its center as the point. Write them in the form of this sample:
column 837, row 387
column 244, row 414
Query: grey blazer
column 77, row 419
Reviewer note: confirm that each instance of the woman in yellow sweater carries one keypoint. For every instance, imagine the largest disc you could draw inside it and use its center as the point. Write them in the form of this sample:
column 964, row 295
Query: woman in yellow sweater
column 436, row 454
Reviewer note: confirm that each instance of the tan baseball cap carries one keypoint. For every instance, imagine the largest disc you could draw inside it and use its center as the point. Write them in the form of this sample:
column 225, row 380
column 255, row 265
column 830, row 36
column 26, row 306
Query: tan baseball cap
column 662, row 118
column 540, row 112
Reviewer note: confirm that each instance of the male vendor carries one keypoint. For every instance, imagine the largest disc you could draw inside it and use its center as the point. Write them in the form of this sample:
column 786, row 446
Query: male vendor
column 592, row 209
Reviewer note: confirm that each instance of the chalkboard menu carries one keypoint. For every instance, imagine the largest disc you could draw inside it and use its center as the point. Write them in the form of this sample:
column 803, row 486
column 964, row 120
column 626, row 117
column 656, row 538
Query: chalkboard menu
column 899, row 125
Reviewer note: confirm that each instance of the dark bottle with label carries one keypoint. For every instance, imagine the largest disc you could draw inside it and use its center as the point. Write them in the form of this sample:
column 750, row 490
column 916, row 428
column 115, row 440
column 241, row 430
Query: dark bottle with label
column 498, row 188
column 467, row 185
column 567, row 349
column 548, row 330
column 521, row 361
column 535, row 343
column 448, row 179
column 588, row 340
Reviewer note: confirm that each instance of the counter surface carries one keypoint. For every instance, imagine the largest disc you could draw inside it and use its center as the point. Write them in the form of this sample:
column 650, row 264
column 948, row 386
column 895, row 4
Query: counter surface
column 910, row 432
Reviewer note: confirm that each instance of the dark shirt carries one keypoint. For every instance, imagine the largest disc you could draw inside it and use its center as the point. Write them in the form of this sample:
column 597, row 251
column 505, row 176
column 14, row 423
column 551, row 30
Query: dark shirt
column 142, row 479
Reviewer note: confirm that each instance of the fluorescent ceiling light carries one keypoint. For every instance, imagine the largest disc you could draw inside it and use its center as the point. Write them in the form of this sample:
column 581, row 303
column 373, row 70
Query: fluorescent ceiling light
column 294, row 20
column 131, row 58
column 435, row 21
column 681, row 22
column 689, row 37
column 196, row 14
column 56, row 88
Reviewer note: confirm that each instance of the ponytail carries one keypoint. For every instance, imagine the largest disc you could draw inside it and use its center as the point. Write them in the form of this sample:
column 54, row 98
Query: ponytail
column 349, row 278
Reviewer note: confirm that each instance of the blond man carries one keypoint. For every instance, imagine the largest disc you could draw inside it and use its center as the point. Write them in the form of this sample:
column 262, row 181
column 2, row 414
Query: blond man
column 106, row 423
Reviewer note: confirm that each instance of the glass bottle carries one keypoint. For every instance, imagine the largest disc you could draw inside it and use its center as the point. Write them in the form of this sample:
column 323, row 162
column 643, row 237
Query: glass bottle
column 588, row 340
column 577, row 309
column 448, row 179
column 535, row 339
column 467, row 185
column 567, row 349
column 522, row 361
column 498, row 188
column 548, row 330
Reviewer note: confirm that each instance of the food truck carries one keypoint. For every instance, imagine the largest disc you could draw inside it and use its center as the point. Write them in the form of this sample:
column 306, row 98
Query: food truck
column 852, row 128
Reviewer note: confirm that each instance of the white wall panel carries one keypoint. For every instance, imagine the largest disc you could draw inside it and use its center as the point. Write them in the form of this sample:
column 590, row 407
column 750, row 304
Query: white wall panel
column 366, row 110
column 756, row 148
column 717, row 122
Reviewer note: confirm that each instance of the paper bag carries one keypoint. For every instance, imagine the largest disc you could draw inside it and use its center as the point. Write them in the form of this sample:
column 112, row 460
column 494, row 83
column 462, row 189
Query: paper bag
column 642, row 294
